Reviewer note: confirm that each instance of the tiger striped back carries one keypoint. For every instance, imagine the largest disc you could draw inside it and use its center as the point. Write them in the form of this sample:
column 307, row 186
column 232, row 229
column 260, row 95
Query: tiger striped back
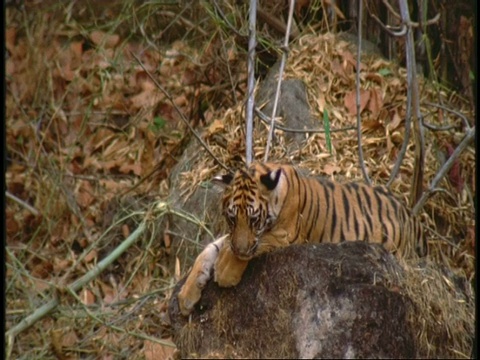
column 269, row 206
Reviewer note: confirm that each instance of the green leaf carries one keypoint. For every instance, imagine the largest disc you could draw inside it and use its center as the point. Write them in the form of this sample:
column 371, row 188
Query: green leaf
column 326, row 124
column 385, row 72
column 158, row 124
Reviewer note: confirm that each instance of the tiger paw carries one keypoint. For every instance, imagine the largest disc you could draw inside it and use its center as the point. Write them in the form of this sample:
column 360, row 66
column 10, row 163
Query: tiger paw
column 191, row 291
column 228, row 268
column 189, row 295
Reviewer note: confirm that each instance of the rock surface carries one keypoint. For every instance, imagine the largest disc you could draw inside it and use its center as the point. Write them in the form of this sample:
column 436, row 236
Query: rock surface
column 330, row 301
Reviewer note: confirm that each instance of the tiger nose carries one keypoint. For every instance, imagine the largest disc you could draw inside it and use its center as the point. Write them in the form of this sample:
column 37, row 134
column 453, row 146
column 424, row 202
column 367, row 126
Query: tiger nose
column 243, row 251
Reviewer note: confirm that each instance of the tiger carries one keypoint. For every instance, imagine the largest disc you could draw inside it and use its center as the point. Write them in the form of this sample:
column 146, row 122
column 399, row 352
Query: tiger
column 269, row 206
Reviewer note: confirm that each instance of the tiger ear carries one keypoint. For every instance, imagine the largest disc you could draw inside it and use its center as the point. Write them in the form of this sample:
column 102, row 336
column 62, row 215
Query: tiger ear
column 224, row 179
column 270, row 179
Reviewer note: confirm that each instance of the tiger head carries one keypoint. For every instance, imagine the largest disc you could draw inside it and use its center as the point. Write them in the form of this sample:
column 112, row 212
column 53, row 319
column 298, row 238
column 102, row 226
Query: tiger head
column 251, row 203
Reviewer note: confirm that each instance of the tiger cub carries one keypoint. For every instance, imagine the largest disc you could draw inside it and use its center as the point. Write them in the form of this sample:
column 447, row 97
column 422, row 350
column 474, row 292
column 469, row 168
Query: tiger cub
column 269, row 206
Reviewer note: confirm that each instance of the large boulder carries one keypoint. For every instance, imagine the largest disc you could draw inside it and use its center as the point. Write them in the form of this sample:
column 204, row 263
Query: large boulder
column 308, row 301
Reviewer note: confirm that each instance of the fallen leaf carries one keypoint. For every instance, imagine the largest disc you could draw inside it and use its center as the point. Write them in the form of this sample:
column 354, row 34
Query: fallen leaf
column 395, row 122
column 85, row 194
column 153, row 350
column 375, row 103
column 92, row 255
column 216, row 126
column 127, row 168
column 351, row 103
column 454, row 174
column 10, row 38
column 331, row 169
column 101, row 38
column 87, row 297
column 69, row 339
column 177, row 269
column 125, row 231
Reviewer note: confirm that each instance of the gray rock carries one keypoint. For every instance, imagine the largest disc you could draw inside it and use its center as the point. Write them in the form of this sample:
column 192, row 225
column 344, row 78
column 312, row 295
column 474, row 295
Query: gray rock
column 304, row 301
column 292, row 106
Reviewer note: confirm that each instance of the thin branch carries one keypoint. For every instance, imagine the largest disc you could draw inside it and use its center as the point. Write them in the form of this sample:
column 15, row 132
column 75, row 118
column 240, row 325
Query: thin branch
column 22, row 203
column 76, row 285
column 417, row 183
column 438, row 128
column 252, row 43
column 459, row 114
column 402, row 30
column 361, row 160
column 285, row 50
column 445, row 168
column 391, row 9
column 182, row 116
column 412, row 101
column 409, row 23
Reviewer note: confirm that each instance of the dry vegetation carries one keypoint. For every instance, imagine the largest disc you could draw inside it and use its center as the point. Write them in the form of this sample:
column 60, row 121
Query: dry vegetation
column 85, row 124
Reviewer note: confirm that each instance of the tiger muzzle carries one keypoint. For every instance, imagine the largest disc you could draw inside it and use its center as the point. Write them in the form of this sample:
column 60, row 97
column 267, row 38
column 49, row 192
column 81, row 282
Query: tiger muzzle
column 244, row 253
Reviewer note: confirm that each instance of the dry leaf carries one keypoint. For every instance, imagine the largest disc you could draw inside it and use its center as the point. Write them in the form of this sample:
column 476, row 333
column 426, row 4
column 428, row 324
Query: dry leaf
column 376, row 102
column 125, row 231
column 85, row 194
column 87, row 297
column 101, row 38
column 177, row 269
column 127, row 168
column 92, row 255
column 351, row 103
column 69, row 339
column 331, row 169
column 154, row 351
column 10, row 38
column 216, row 126
column 395, row 122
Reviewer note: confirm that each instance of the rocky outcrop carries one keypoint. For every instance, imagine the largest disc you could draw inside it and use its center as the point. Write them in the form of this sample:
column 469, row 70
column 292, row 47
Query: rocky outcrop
column 308, row 301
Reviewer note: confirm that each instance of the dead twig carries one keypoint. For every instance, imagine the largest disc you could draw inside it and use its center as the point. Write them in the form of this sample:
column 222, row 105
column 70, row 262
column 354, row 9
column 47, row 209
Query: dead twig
column 357, row 96
column 445, row 168
column 285, row 50
column 252, row 43
column 409, row 23
column 412, row 102
column 466, row 122
column 417, row 183
column 402, row 30
column 182, row 116
column 22, row 203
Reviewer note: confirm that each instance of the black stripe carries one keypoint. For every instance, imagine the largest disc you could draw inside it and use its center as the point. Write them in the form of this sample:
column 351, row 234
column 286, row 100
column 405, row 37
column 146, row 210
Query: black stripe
column 327, row 211
column 302, row 185
column 314, row 205
column 346, row 208
column 334, row 216
column 384, row 238
column 362, row 214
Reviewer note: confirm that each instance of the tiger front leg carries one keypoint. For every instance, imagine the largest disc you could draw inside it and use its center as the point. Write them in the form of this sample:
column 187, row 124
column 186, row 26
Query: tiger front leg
column 198, row 277
column 228, row 268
